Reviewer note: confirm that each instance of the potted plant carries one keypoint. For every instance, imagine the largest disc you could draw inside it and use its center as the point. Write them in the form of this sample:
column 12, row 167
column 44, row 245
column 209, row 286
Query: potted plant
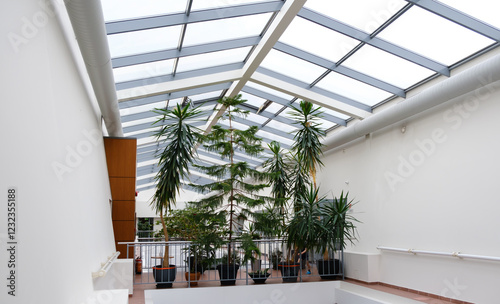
column 251, row 253
column 339, row 227
column 180, row 138
column 235, row 190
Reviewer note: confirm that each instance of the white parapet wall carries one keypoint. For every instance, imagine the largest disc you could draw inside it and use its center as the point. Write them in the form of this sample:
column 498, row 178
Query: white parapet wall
column 338, row 292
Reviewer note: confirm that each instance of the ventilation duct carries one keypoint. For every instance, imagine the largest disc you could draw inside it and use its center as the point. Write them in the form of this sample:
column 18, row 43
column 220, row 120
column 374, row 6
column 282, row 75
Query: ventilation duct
column 88, row 24
column 471, row 79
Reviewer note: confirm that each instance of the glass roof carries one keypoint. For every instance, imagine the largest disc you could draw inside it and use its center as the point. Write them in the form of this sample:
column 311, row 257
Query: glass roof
column 348, row 57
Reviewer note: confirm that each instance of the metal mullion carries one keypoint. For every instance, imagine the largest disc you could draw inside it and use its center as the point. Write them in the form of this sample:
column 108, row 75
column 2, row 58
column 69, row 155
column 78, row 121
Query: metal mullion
column 374, row 41
column 459, row 17
column 148, row 57
column 138, row 24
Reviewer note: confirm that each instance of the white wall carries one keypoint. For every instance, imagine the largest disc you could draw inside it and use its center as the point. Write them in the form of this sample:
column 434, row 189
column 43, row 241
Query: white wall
column 431, row 188
column 52, row 151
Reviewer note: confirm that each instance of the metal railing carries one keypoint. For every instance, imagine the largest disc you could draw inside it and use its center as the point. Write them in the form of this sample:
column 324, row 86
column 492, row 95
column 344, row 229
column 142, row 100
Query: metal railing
column 192, row 258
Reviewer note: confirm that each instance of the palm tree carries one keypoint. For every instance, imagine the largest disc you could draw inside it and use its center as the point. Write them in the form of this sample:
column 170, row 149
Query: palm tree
column 307, row 146
column 180, row 137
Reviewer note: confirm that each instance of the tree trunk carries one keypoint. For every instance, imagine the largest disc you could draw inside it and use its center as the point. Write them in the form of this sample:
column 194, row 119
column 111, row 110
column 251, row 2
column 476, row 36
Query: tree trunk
column 166, row 257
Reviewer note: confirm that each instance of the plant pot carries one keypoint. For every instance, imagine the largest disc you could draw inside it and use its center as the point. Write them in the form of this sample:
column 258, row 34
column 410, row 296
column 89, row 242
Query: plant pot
column 259, row 278
column 329, row 269
column 289, row 272
column 164, row 276
column 227, row 273
column 195, row 264
column 193, row 278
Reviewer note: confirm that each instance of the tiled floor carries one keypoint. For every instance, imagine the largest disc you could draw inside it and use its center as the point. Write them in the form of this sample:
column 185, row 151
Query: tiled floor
column 138, row 296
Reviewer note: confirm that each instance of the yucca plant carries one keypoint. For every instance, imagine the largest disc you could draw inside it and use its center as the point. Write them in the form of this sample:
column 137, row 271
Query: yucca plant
column 307, row 140
column 179, row 136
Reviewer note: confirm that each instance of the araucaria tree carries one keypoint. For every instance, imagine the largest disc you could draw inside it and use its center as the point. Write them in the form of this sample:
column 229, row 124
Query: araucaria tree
column 179, row 138
column 237, row 186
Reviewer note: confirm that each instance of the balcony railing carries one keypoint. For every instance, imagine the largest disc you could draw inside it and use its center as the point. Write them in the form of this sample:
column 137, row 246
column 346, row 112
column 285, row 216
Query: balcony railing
column 192, row 258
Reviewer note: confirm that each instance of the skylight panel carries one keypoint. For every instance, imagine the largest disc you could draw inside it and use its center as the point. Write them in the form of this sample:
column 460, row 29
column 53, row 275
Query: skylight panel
column 144, row 41
column 271, row 137
column 317, row 39
column 433, row 36
column 208, row 4
column 225, row 29
column 335, row 113
column 269, row 90
column 252, row 100
column 143, row 108
column 206, row 60
column 292, row 66
column 273, row 108
column 127, row 9
column 205, row 96
column 256, row 118
column 142, row 71
column 485, row 10
column 282, row 126
column 366, row 15
column 387, row 67
column 353, row 89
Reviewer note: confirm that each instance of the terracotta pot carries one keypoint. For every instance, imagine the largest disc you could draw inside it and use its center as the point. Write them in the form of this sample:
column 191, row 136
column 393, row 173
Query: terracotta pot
column 193, row 278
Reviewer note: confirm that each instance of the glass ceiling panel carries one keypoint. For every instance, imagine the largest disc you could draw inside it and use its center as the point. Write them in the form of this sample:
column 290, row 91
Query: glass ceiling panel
column 271, row 136
column 201, row 61
column 143, row 108
column 127, row 9
column 207, row 4
column 269, row 90
column 317, row 39
column 144, row 41
column 204, row 96
column 252, row 100
column 387, row 67
column 225, row 29
column 145, row 70
column 436, row 38
column 256, row 118
column 292, row 66
column 485, row 10
column 353, row 89
column 273, row 108
column 335, row 113
column 366, row 15
column 281, row 126
column 149, row 120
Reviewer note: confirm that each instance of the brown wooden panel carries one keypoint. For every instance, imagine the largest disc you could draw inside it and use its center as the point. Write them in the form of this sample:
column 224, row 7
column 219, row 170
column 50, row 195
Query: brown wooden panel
column 124, row 231
column 121, row 155
column 123, row 251
column 123, row 210
column 122, row 188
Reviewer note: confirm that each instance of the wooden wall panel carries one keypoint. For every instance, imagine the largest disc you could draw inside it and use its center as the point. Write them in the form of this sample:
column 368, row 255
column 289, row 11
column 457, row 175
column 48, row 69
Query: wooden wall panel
column 123, row 210
column 122, row 188
column 121, row 160
column 124, row 231
column 121, row 155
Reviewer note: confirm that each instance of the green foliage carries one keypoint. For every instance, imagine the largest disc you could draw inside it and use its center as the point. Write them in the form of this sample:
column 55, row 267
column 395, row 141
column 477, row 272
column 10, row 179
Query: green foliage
column 339, row 225
column 180, row 137
column 307, row 146
column 237, row 186
column 305, row 226
column 279, row 174
column 249, row 247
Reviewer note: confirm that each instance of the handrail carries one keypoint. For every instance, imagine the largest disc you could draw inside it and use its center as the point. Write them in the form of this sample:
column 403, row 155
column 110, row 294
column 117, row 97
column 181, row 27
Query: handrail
column 105, row 266
column 452, row 254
